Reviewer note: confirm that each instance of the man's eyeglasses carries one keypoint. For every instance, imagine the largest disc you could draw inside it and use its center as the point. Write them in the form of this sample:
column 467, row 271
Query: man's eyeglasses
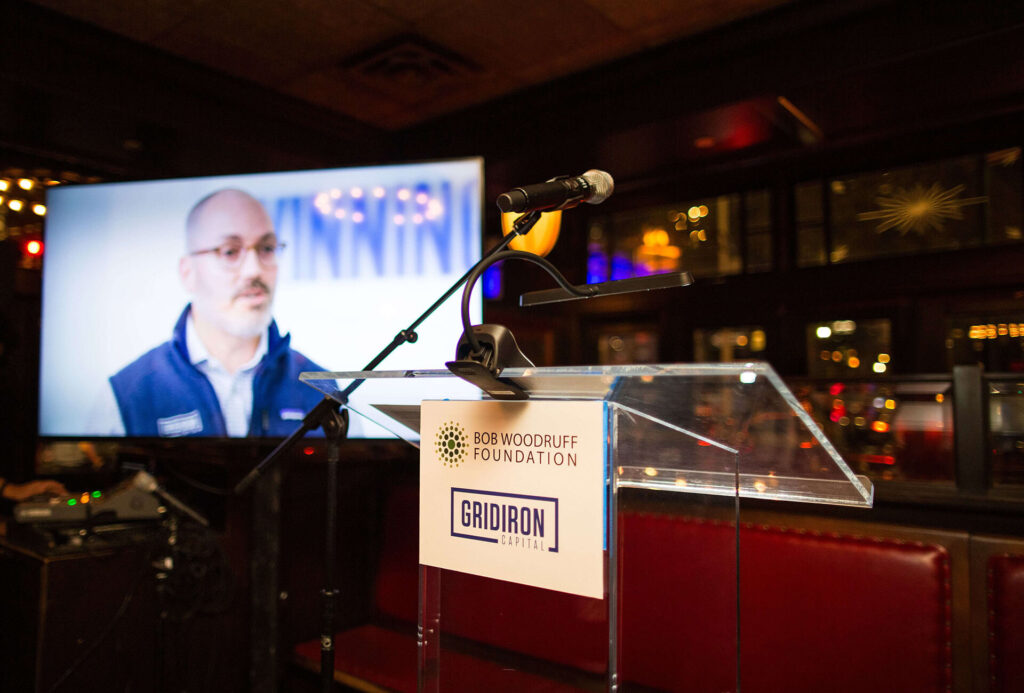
column 231, row 254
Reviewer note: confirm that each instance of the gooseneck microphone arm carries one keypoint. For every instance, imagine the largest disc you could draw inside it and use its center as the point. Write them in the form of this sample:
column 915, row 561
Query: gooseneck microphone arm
column 481, row 267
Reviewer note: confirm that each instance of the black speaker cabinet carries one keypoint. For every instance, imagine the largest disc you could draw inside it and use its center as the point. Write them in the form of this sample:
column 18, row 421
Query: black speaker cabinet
column 77, row 620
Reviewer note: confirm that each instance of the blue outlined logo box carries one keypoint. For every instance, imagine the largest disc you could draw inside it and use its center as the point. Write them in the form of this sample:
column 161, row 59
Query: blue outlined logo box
column 497, row 518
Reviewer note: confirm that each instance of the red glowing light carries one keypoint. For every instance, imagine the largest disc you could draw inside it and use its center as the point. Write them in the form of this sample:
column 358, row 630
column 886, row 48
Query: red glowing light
column 34, row 248
column 703, row 443
column 806, row 445
column 308, row 450
column 879, row 459
column 836, row 389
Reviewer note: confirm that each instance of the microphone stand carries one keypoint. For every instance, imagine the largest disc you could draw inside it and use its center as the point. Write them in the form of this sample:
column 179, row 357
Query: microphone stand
column 327, row 414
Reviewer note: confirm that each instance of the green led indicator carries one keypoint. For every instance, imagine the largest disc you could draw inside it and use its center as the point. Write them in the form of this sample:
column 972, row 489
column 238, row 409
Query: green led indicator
column 96, row 494
column 72, row 501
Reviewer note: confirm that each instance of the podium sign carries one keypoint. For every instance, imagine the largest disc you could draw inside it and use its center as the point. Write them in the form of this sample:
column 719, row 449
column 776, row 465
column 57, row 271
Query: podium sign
column 516, row 491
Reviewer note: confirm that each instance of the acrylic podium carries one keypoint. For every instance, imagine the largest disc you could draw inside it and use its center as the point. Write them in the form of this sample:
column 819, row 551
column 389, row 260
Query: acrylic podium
column 703, row 437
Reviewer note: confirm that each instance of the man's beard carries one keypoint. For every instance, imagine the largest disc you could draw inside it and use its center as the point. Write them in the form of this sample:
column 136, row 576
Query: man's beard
column 244, row 324
column 251, row 324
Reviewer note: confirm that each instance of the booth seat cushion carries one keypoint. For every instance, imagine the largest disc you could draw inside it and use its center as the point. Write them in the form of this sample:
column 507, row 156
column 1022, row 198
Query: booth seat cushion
column 819, row 611
column 678, row 599
column 1006, row 622
column 844, row 613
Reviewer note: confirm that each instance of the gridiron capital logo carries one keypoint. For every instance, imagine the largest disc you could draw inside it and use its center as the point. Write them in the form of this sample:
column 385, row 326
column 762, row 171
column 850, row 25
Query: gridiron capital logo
column 450, row 444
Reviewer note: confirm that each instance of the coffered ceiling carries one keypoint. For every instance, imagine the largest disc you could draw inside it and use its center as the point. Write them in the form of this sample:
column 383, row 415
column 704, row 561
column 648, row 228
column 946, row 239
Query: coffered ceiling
column 395, row 63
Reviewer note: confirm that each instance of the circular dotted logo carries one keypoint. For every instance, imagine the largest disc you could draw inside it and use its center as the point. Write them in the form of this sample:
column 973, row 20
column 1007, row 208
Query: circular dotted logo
column 450, row 444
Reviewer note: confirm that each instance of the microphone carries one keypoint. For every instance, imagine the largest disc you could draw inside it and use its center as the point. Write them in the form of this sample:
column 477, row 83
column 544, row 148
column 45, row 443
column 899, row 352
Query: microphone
column 593, row 187
column 145, row 482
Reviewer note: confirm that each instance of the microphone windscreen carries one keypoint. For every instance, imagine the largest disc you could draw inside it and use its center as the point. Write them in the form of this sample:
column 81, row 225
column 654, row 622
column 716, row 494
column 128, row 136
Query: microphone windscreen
column 602, row 184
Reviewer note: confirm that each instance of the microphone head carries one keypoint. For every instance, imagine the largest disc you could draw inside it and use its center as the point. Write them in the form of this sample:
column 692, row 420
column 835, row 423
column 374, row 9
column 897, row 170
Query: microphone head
column 601, row 183
column 144, row 482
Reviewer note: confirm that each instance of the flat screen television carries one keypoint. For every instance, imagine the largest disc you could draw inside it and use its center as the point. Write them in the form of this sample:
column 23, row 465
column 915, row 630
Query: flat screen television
column 365, row 251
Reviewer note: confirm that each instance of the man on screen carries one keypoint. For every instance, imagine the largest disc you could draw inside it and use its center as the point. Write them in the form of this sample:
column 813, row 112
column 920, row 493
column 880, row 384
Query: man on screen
column 226, row 371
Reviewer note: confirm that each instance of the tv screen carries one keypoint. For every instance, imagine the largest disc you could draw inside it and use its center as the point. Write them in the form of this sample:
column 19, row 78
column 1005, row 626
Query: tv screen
column 188, row 307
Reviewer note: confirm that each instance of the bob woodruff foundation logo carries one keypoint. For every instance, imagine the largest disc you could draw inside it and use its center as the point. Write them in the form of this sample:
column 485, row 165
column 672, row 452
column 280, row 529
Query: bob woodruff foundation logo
column 450, row 444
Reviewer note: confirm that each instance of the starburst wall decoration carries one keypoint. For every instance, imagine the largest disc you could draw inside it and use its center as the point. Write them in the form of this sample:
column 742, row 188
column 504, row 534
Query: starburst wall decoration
column 920, row 210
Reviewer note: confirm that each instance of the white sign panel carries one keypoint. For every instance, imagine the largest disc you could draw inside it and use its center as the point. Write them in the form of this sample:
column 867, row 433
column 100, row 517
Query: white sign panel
column 515, row 491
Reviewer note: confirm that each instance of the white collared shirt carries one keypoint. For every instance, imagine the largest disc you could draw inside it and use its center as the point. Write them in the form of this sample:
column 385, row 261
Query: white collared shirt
column 234, row 390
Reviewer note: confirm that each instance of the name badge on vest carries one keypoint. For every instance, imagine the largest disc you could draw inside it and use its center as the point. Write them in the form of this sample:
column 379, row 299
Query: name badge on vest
column 180, row 425
column 292, row 414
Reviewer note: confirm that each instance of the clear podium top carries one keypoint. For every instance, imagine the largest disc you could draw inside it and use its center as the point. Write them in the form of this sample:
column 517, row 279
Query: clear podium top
column 709, row 428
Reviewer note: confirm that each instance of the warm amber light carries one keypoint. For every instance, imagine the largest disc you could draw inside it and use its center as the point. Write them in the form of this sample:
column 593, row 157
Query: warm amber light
column 541, row 239
column 656, row 237
column 853, row 362
column 39, row 209
column 879, row 427
column 757, row 340
column 25, row 184
column 16, row 205
column 4, row 185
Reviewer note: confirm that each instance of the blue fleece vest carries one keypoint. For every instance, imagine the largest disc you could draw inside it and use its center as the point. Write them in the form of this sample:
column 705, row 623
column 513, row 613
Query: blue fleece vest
column 162, row 394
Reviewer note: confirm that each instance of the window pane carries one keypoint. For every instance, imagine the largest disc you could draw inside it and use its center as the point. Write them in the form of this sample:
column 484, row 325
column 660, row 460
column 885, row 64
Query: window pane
column 727, row 344
column 810, row 224
column 759, row 230
column 848, row 348
column 908, row 210
column 1006, row 430
column 1006, row 195
column 700, row 236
